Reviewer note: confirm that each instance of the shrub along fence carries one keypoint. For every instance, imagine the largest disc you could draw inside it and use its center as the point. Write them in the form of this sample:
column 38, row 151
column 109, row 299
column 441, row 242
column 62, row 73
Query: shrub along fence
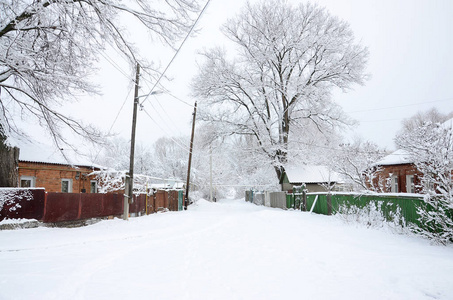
column 65, row 207
column 401, row 208
column 398, row 208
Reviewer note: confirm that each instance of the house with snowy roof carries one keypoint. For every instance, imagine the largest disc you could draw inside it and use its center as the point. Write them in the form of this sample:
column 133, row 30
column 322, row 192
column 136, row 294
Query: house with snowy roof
column 55, row 171
column 315, row 178
column 397, row 173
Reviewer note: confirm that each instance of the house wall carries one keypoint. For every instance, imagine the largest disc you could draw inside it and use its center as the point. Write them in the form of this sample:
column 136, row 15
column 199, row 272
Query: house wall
column 401, row 171
column 49, row 176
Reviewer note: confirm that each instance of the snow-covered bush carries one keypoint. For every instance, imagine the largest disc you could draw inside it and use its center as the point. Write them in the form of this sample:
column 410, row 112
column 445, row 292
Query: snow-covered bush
column 372, row 215
column 431, row 147
column 11, row 196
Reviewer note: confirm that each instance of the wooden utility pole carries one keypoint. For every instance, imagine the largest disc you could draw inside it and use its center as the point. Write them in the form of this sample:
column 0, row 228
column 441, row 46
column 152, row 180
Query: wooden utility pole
column 129, row 186
column 210, row 172
column 186, row 199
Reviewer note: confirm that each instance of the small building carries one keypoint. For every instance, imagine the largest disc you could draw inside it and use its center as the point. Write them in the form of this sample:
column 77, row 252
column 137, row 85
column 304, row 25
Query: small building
column 396, row 173
column 41, row 167
column 57, row 177
column 315, row 179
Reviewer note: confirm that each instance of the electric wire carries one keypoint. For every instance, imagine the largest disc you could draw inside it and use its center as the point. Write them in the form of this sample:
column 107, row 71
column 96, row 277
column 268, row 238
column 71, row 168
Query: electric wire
column 177, row 51
column 180, row 100
column 116, row 118
column 116, row 66
column 400, row 106
column 169, row 136
column 168, row 116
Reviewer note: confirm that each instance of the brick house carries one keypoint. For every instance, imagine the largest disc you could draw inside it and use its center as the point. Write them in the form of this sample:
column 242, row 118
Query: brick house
column 43, row 166
column 57, row 177
column 397, row 173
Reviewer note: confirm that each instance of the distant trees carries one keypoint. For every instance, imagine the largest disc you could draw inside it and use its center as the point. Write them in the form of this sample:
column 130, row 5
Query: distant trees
column 48, row 47
column 431, row 147
column 288, row 61
column 431, row 117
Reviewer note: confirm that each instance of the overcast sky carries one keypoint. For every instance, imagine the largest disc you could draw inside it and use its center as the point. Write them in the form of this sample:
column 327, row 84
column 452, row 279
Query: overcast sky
column 411, row 59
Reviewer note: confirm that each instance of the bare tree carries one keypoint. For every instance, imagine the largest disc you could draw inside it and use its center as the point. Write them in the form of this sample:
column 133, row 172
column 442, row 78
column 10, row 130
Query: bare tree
column 48, row 47
column 288, row 61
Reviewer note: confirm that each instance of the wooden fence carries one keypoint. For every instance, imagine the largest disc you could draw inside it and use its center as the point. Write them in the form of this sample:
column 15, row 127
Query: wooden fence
column 63, row 207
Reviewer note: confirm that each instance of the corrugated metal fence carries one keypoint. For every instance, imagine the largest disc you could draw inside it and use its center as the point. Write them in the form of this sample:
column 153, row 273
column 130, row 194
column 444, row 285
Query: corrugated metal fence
column 404, row 206
column 64, row 207
column 269, row 199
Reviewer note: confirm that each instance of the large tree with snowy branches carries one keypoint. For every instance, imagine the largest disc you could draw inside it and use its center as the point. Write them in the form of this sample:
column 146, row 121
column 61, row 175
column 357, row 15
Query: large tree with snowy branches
column 288, row 61
column 47, row 48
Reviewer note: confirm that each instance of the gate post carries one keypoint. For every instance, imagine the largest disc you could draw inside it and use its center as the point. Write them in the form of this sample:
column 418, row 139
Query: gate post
column 329, row 204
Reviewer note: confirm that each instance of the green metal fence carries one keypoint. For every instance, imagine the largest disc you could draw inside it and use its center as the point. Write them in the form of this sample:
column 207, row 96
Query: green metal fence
column 405, row 206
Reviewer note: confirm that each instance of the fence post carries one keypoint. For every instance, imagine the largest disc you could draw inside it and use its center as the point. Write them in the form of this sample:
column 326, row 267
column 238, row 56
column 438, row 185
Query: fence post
column 304, row 200
column 329, row 204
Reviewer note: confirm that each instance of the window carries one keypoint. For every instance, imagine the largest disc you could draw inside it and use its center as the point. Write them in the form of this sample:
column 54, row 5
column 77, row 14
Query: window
column 27, row 181
column 394, row 182
column 410, row 184
column 93, row 186
column 66, row 185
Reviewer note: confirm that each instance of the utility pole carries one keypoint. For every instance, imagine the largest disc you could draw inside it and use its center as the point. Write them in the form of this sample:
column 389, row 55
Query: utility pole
column 186, row 200
column 130, row 179
column 210, row 172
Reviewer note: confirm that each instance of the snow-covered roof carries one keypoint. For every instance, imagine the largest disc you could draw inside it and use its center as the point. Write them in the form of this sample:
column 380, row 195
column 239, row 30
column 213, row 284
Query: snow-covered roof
column 399, row 157
column 41, row 153
column 312, row 174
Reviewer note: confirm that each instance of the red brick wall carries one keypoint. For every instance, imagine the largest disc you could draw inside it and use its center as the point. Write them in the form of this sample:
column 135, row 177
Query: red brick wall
column 49, row 176
column 401, row 171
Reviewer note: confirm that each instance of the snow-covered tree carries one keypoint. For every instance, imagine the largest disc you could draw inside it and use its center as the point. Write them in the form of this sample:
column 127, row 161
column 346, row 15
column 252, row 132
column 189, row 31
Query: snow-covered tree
column 356, row 163
column 115, row 155
column 171, row 157
column 431, row 147
column 288, row 61
column 421, row 118
column 48, row 47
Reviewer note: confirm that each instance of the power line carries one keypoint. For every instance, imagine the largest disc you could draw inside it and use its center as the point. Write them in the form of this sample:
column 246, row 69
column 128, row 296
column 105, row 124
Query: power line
column 121, row 108
column 177, row 51
column 116, row 118
column 170, row 137
column 116, row 66
column 180, row 100
column 400, row 106
column 168, row 116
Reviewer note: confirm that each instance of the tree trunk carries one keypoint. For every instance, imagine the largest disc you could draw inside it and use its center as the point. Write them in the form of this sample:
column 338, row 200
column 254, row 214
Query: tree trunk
column 279, row 170
column 9, row 165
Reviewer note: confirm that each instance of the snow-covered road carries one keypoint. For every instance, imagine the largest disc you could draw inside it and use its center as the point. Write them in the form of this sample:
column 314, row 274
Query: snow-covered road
column 227, row 250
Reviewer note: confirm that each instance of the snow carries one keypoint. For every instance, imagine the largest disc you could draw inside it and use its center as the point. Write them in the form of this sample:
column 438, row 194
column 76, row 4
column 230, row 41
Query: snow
column 312, row 174
column 399, row 157
column 225, row 250
column 40, row 152
column 16, row 221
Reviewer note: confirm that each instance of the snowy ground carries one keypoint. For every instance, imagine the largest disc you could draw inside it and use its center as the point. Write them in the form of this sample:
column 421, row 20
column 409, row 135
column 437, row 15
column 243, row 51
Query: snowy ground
column 227, row 250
